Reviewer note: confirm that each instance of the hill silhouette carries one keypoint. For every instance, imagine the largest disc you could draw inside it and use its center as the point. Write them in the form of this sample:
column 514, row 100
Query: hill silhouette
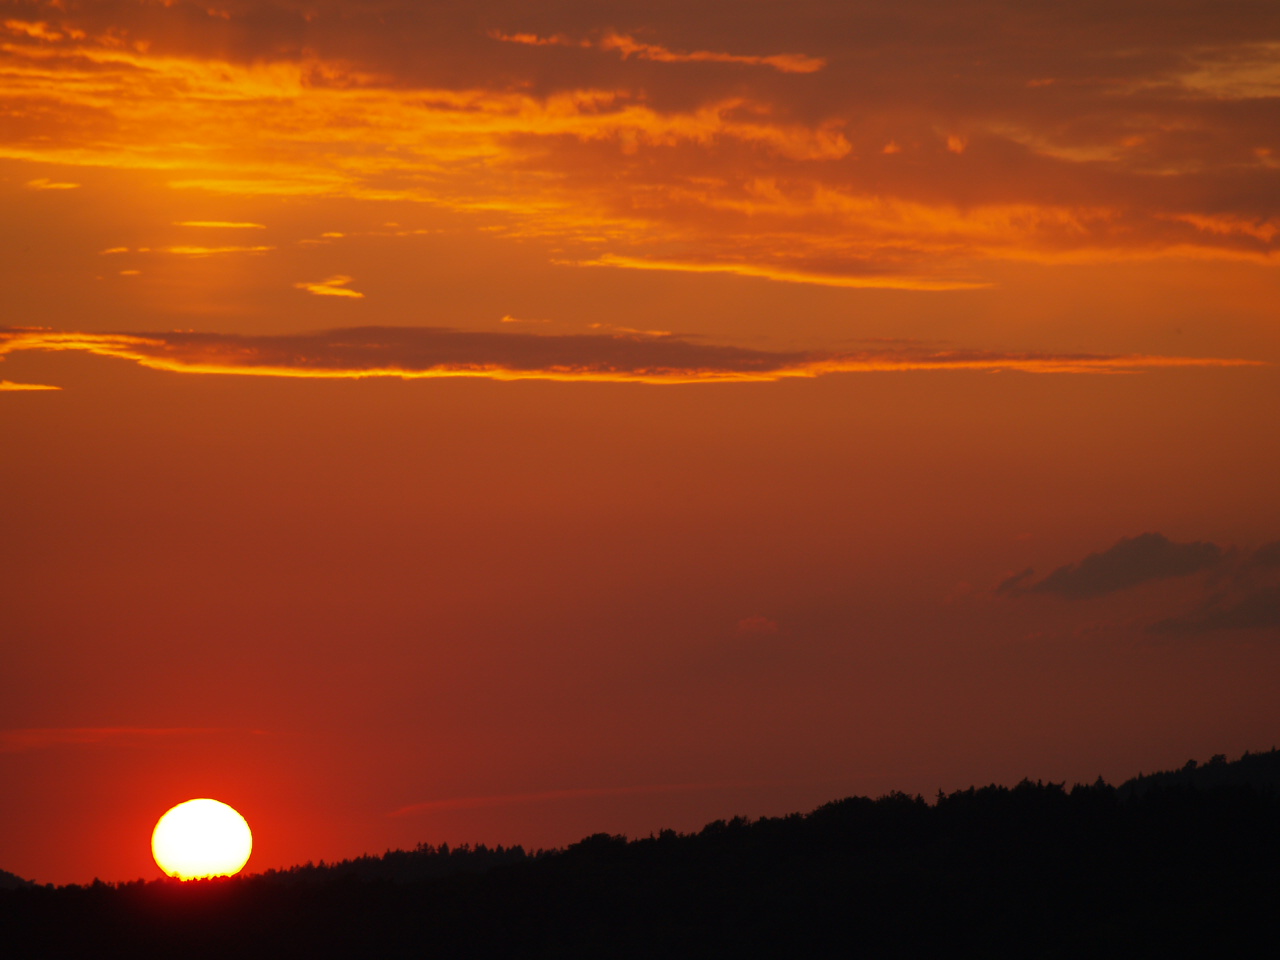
column 1258, row 770
column 1036, row 870
column 424, row 862
column 11, row 881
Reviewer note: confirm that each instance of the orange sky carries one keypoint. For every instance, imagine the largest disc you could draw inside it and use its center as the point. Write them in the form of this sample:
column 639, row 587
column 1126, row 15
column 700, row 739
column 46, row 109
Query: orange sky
column 498, row 422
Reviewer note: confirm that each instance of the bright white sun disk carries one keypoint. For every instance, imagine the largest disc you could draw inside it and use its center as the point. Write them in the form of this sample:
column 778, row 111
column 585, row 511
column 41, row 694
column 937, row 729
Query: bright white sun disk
column 201, row 838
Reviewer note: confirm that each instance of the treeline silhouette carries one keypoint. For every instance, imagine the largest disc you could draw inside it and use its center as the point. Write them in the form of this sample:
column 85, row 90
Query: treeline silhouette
column 1036, row 870
column 11, row 881
column 1258, row 770
column 423, row 862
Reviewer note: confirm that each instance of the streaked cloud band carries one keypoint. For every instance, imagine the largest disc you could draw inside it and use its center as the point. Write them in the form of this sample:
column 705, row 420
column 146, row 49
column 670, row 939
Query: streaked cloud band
column 433, row 352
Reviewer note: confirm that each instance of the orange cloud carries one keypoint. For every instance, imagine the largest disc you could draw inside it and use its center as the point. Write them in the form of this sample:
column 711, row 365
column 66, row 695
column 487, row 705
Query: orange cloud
column 332, row 287
column 46, row 184
column 1263, row 230
column 221, row 224
column 805, row 182
column 783, row 275
column 193, row 251
column 630, row 47
column 433, row 352
column 9, row 385
column 39, row 30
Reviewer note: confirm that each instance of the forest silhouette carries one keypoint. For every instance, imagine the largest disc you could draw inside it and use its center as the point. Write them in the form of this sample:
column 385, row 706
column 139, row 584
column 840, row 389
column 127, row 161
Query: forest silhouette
column 1176, row 862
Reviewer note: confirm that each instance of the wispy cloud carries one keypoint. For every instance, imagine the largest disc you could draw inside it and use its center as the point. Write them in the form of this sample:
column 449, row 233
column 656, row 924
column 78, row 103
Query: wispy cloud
column 1244, row 596
column 782, row 274
column 200, row 251
column 852, row 177
column 40, row 738
column 40, row 30
column 757, row 624
column 546, row 796
column 1129, row 562
column 46, row 184
column 1257, row 609
column 1238, row 590
column 6, row 385
column 424, row 352
column 194, row 250
column 221, row 224
column 332, row 287
column 629, row 46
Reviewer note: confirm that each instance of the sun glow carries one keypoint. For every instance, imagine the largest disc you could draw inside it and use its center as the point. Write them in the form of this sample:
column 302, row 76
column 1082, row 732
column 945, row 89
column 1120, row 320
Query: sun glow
column 201, row 838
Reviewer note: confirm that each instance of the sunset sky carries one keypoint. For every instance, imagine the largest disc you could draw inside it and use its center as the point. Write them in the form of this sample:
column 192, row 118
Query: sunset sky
column 503, row 422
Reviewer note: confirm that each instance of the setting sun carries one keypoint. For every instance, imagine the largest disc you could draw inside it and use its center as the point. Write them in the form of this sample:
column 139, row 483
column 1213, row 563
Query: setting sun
column 201, row 838
column 481, row 422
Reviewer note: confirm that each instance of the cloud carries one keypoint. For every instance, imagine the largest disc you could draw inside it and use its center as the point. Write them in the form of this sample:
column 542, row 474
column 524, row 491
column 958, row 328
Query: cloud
column 7, row 385
column 630, row 47
column 1131, row 561
column 188, row 250
column 420, row 352
column 887, row 154
column 1015, row 584
column 335, row 286
column 1242, row 591
column 1259, row 609
column 46, row 184
column 193, row 251
column 510, row 799
column 1268, row 555
column 40, row 738
column 39, row 30
column 1246, row 596
column 783, row 274
column 757, row 625
column 221, row 224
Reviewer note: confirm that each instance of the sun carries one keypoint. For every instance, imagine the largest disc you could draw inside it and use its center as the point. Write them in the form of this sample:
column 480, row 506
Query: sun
column 201, row 838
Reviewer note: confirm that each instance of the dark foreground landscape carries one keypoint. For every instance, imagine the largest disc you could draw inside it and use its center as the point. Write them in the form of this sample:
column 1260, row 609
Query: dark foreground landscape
column 1176, row 864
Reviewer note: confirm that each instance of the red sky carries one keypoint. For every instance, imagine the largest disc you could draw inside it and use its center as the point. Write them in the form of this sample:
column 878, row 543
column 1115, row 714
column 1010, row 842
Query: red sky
column 497, row 423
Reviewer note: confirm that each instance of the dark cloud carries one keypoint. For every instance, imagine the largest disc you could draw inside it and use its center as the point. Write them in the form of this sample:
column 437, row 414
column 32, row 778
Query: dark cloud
column 1268, row 555
column 1242, row 592
column 1133, row 560
column 1015, row 584
column 414, row 352
column 1253, row 611
column 424, row 349
column 1246, row 597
